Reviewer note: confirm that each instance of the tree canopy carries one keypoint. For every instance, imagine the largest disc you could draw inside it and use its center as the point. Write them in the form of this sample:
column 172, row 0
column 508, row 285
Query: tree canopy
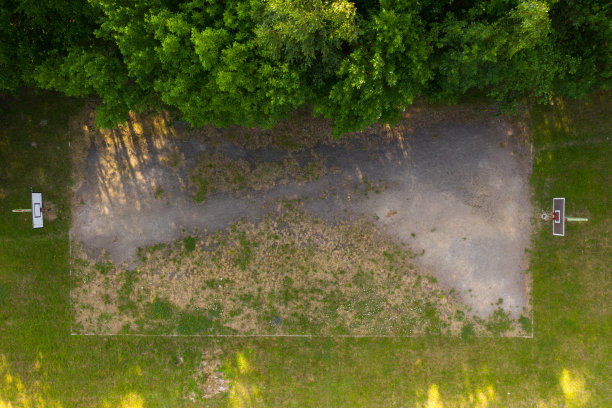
column 252, row 62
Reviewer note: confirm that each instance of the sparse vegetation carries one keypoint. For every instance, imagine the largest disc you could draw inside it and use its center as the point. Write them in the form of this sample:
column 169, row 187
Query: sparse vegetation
column 525, row 323
column 499, row 322
column 291, row 268
column 189, row 243
column 161, row 309
column 217, row 173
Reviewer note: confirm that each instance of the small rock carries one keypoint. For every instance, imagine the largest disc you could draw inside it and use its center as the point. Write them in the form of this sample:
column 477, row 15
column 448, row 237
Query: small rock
column 43, row 122
column 34, row 145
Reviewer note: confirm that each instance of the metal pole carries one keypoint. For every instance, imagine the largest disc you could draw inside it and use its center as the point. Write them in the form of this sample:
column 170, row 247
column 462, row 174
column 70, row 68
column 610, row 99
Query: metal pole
column 576, row 219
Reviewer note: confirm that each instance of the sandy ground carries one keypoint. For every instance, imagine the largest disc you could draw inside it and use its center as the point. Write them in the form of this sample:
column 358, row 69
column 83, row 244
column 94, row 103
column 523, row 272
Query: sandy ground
column 456, row 193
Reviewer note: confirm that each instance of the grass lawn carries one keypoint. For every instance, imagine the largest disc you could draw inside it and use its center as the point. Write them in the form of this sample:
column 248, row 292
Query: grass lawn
column 568, row 363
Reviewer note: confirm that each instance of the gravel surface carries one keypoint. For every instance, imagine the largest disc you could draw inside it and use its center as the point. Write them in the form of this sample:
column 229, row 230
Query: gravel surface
column 458, row 194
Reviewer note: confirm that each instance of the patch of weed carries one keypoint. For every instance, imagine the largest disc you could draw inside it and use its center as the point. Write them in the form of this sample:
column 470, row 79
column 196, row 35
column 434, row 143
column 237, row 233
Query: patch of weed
column 499, row 322
column 159, row 191
column 189, row 243
column 242, row 256
column 4, row 292
column 431, row 319
column 300, row 323
column 124, row 294
column 156, row 247
column 525, row 323
column 216, row 283
column 198, row 321
column 331, row 305
column 367, row 307
column 467, row 331
column 104, row 267
column 204, row 188
column 288, row 292
column 361, row 279
column 161, row 309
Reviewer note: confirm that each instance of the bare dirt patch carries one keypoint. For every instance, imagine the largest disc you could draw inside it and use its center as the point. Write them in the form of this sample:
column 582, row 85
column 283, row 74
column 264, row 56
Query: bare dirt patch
column 208, row 381
column 453, row 194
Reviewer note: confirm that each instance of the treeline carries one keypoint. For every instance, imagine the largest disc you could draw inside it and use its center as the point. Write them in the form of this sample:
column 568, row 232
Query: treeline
column 251, row 62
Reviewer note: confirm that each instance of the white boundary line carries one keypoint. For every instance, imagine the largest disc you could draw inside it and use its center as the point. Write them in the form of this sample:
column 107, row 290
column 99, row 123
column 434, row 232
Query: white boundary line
column 71, row 314
column 354, row 336
column 350, row 336
column 70, row 282
column 249, row 335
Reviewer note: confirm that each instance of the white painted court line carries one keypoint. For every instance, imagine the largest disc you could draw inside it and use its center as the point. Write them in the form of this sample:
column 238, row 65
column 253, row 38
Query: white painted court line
column 345, row 336
column 70, row 281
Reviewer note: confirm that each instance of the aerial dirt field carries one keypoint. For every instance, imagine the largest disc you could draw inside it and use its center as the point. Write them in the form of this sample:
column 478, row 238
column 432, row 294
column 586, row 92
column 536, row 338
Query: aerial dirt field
column 421, row 228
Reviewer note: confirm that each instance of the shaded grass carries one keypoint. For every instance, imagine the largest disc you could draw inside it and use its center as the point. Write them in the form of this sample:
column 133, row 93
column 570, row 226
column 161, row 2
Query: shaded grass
column 568, row 361
column 572, row 121
column 34, row 157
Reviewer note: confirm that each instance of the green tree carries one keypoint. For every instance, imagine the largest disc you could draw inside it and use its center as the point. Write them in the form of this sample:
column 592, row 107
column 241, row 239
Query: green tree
column 305, row 42
column 384, row 72
column 252, row 62
column 306, row 32
column 33, row 30
column 508, row 58
column 582, row 32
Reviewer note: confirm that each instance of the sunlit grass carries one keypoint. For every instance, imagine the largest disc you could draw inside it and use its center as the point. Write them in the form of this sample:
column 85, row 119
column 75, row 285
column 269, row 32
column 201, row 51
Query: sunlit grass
column 568, row 363
column 14, row 393
column 573, row 387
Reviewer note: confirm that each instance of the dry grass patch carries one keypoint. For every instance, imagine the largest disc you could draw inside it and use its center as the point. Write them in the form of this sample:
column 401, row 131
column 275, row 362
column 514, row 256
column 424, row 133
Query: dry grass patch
column 289, row 274
column 216, row 172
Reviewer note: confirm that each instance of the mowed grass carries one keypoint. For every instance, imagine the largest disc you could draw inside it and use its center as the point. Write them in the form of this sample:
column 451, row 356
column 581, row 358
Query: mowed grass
column 567, row 363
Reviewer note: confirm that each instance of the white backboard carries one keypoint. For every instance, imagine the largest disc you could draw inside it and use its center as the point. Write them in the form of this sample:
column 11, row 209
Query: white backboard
column 559, row 216
column 37, row 210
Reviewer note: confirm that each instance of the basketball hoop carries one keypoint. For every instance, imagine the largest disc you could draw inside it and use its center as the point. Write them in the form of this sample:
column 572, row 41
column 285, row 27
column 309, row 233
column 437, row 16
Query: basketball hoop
column 546, row 216
column 558, row 218
column 36, row 210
